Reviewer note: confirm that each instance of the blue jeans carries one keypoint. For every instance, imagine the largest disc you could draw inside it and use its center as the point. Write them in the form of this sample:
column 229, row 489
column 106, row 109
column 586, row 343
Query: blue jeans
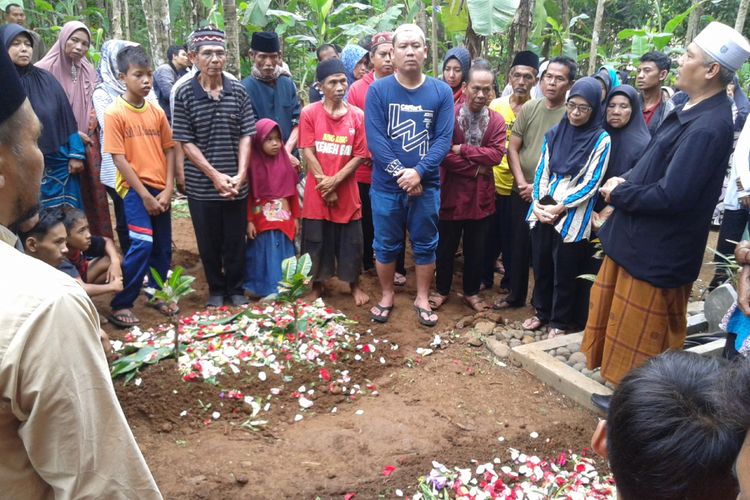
column 150, row 246
column 392, row 212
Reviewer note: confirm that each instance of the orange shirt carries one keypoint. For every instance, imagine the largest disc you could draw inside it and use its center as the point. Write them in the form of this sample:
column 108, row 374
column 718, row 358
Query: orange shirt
column 141, row 134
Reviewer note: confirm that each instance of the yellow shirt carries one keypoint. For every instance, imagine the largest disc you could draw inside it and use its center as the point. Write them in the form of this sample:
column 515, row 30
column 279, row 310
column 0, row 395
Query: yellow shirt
column 503, row 176
column 62, row 431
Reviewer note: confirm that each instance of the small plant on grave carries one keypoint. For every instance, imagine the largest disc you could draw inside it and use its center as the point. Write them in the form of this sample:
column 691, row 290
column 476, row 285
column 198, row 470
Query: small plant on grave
column 598, row 255
column 294, row 284
column 170, row 291
column 175, row 288
column 728, row 265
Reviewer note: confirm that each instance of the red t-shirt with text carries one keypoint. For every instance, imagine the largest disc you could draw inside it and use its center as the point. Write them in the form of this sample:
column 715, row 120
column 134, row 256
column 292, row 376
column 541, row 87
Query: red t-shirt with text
column 336, row 141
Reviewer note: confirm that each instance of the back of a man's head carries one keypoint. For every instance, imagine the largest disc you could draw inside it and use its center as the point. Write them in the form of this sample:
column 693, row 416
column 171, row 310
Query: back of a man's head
column 666, row 438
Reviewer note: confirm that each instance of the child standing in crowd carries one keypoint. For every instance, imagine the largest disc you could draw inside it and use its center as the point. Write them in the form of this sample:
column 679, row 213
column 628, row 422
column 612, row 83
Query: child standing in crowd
column 272, row 210
column 93, row 261
column 140, row 141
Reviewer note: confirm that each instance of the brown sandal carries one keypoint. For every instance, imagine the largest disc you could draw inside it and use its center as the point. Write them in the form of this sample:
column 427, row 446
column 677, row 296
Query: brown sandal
column 436, row 300
column 533, row 323
column 476, row 303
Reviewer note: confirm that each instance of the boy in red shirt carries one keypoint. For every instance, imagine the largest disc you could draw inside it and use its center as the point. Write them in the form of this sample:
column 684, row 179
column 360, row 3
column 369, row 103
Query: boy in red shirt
column 333, row 144
column 139, row 139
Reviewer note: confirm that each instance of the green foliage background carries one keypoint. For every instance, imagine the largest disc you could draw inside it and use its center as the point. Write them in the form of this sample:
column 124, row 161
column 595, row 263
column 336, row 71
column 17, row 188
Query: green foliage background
column 304, row 24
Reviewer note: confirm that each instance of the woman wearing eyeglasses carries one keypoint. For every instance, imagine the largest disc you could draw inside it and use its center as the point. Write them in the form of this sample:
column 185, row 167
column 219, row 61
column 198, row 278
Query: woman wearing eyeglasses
column 572, row 165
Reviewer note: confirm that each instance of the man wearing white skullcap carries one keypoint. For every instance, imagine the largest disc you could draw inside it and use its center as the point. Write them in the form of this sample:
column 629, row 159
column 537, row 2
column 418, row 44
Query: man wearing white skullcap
column 655, row 239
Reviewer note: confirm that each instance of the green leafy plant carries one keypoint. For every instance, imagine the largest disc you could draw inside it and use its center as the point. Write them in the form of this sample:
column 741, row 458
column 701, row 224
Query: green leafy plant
column 170, row 291
column 176, row 287
column 728, row 265
column 294, row 284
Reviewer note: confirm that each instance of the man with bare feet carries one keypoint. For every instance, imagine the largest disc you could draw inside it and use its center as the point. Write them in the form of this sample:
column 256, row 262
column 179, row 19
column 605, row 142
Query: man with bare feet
column 332, row 141
column 409, row 119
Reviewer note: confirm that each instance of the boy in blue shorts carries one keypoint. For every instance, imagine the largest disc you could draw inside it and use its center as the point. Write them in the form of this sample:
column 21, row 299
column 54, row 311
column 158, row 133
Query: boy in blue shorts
column 139, row 139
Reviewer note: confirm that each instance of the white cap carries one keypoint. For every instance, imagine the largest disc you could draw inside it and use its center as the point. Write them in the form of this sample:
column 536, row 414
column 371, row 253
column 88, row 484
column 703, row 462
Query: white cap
column 728, row 47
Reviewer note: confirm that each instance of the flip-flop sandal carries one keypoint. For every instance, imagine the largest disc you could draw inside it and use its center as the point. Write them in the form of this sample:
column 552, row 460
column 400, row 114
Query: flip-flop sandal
column 163, row 307
column 535, row 324
column 422, row 320
column 436, row 300
column 383, row 314
column 503, row 304
column 118, row 319
column 399, row 279
column 476, row 303
column 554, row 332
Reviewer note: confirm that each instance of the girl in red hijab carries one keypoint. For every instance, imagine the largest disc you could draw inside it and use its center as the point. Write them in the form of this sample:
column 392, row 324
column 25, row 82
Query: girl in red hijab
column 273, row 210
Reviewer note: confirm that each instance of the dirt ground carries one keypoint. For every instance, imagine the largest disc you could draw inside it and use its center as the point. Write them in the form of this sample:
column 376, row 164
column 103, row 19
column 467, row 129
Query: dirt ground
column 451, row 406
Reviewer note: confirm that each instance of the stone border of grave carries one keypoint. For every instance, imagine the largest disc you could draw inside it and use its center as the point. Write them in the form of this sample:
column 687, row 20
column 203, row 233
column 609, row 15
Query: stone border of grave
column 535, row 359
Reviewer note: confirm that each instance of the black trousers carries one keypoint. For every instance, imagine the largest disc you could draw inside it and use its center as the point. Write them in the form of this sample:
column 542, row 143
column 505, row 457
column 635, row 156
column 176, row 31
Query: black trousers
column 520, row 251
column 498, row 242
column 121, row 225
column 368, row 232
column 732, row 226
column 220, row 232
column 557, row 266
column 474, row 233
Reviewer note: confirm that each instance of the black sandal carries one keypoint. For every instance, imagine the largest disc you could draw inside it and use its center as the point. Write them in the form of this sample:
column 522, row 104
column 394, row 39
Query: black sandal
column 422, row 320
column 383, row 314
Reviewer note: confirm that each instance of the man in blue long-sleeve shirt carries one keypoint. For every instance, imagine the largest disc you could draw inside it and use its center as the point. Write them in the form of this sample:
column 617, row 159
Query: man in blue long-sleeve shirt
column 409, row 125
column 656, row 237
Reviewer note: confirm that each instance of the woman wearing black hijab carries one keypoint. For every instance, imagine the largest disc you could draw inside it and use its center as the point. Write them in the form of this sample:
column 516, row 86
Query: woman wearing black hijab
column 573, row 162
column 629, row 135
column 60, row 142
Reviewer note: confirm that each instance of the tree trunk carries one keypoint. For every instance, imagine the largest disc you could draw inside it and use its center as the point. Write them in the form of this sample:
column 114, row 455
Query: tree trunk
column 692, row 27
column 233, row 40
column 126, row 19
column 117, row 20
column 474, row 43
column 595, row 35
column 157, row 22
column 524, row 25
column 739, row 24
column 420, row 19
column 564, row 14
column 435, row 37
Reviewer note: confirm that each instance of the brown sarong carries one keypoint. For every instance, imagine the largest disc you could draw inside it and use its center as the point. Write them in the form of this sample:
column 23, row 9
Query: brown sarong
column 631, row 321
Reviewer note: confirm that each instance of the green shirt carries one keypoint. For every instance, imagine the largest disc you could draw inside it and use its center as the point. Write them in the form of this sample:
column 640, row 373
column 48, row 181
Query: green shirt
column 533, row 121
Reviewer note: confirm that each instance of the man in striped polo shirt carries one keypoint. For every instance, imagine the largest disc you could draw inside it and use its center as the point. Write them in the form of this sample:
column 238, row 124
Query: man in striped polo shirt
column 214, row 121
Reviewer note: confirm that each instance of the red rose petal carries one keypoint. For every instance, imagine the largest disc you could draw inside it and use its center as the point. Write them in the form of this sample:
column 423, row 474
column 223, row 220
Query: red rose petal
column 388, row 470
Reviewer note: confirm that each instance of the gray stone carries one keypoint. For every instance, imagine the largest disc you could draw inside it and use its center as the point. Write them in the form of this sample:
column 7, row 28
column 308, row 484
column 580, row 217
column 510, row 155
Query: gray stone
column 552, row 352
column 578, row 357
column 717, row 304
column 517, row 334
column 597, row 377
column 563, row 351
column 499, row 349
column 579, row 366
column 695, row 307
column 574, row 347
column 464, row 322
column 561, row 358
column 527, row 339
column 587, row 372
column 484, row 328
column 514, row 343
column 697, row 323
column 503, row 335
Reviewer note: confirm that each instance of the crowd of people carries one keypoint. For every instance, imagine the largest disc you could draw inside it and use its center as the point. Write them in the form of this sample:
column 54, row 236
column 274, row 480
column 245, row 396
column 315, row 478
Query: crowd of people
column 543, row 175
